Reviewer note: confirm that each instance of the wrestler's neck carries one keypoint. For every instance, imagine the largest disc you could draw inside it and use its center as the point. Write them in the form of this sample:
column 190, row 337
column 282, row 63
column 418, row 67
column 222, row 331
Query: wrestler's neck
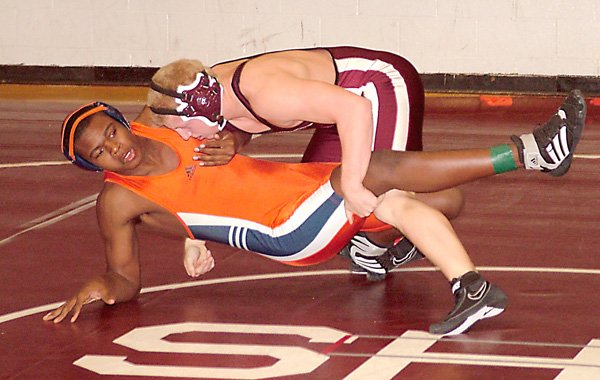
column 156, row 158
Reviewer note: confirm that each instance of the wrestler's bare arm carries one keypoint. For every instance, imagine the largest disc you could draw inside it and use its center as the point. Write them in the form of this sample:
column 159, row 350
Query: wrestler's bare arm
column 117, row 212
column 286, row 99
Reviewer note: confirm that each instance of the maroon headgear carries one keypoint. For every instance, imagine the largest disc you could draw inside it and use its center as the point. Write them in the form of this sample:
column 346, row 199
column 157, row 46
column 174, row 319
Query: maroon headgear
column 200, row 99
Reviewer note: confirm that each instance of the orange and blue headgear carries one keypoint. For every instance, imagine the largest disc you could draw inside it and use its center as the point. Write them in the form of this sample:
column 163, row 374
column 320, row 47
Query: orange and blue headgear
column 200, row 99
column 73, row 121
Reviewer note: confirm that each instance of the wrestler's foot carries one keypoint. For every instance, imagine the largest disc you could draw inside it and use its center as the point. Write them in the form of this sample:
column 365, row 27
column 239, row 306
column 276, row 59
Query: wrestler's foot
column 475, row 299
column 550, row 147
column 401, row 253
column 374, row 261
column 363, row 253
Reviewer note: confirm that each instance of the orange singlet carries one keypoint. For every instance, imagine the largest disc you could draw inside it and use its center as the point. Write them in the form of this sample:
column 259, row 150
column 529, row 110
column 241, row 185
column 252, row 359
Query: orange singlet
column 285, row 211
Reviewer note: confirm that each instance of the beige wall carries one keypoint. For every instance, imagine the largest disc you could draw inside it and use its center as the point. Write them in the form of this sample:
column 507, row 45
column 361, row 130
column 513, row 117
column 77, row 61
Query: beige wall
column 545, row 37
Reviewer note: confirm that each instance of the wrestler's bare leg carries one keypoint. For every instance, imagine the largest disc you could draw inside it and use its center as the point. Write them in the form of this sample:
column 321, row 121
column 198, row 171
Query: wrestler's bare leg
column 428, row 229
column 449, row 202
column 475, row 298
column 549, row 148
column 424, row 172
column 433, row 175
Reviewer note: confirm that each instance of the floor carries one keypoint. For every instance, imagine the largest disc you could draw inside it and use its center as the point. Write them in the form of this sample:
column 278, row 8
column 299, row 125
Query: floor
column 535, row 236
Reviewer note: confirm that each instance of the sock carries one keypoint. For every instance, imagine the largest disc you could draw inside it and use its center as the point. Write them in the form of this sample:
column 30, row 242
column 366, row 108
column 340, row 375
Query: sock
column 520, row 147
column 470, row 280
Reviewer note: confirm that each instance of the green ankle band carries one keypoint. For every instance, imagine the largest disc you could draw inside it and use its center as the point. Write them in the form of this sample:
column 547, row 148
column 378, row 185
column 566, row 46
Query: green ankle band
column 502, row 159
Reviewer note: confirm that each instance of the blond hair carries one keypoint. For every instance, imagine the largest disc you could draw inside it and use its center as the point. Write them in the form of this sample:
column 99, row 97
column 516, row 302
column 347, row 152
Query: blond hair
column 169, row 77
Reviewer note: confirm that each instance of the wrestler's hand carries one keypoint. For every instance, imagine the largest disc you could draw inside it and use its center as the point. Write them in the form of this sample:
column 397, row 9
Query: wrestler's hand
column 359, row 201
column 217, row 150
column 197, row 259
column 93, row 290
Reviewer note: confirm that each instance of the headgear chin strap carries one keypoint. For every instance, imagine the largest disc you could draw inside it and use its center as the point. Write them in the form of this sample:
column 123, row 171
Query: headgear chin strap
column 73, row 121
column 200, row 99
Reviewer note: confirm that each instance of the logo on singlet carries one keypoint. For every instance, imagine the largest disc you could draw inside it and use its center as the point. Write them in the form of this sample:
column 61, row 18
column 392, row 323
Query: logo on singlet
column 189, row 170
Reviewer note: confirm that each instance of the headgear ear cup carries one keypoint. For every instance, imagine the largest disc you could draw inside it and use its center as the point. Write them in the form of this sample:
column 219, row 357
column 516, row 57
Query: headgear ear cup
column 73, row 121
column 200, row 99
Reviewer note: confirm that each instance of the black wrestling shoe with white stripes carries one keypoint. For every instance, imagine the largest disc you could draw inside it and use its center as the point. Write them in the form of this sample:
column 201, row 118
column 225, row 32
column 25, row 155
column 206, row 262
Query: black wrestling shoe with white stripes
column 475, row 299
column 362, row 254
column 374, row 261
column 550, row 147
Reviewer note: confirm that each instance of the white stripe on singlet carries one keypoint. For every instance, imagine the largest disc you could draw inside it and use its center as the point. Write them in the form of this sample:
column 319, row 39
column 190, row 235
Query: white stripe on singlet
column 402, row 116
column 239, row 227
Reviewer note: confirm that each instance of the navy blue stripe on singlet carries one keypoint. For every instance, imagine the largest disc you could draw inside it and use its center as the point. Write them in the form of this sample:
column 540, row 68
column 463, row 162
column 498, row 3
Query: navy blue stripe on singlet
column 281, row 246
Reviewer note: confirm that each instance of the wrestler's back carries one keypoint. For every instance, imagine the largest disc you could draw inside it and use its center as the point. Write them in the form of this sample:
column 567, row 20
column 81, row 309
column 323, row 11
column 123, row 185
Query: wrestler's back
column 310, row 64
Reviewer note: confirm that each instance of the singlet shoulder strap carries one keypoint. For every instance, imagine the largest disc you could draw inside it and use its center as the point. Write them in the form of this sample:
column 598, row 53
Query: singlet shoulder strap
column 235, row 85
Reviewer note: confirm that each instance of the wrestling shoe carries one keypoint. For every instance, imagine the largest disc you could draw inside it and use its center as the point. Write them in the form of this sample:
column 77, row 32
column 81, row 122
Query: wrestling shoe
column 550, row 147
column 363, row 253
column 374, row 261
column 475, row 299
column 401, row 253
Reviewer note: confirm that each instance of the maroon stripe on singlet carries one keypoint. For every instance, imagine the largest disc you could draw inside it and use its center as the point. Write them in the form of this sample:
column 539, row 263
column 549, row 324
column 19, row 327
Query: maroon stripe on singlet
column 387, row 110
column 412, row 79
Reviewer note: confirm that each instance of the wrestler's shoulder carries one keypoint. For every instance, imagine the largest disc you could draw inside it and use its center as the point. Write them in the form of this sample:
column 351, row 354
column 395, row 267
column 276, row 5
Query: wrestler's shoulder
column 114, row 196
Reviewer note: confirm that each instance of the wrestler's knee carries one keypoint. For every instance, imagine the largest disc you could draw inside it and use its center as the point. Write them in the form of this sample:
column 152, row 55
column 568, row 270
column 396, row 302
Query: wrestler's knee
column 449, row 202
column 453, row 202
column 381, row 175
column 393, row 205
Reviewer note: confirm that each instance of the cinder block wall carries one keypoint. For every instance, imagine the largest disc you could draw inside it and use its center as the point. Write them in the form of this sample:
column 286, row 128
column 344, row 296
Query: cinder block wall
column 523, row 37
